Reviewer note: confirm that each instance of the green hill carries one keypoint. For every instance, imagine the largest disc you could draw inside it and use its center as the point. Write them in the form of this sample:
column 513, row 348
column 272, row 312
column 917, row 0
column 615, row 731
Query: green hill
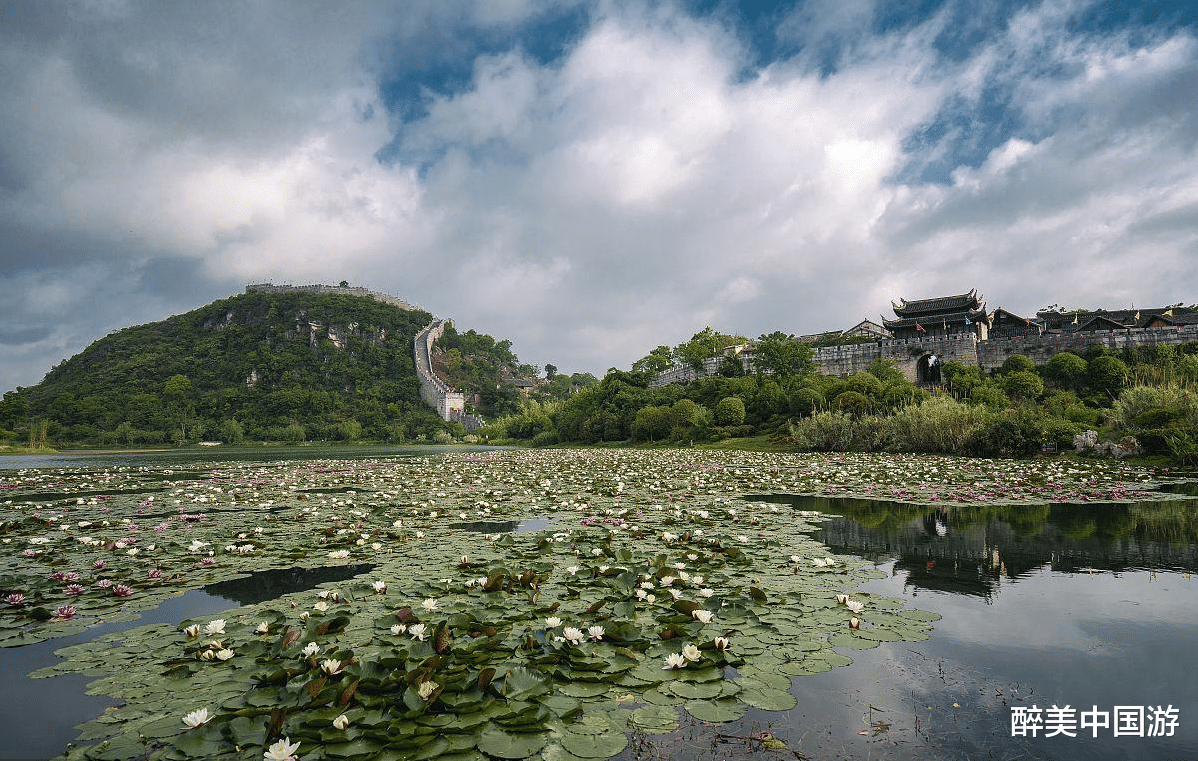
column 282, row 366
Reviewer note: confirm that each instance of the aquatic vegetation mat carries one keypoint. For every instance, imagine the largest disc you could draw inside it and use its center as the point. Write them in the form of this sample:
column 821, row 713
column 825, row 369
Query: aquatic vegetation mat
column 656, row 589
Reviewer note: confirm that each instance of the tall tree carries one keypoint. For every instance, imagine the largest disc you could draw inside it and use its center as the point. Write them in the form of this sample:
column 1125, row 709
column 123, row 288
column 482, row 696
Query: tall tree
column 782, row 355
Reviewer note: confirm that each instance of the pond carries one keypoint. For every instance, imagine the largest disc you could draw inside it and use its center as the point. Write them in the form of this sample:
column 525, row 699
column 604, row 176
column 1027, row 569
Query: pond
column 1089, row 606
column 1084, row 604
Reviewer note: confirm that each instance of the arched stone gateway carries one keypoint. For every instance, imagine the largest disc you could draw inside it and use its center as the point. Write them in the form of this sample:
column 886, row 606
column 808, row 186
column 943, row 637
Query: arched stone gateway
column 927, row 369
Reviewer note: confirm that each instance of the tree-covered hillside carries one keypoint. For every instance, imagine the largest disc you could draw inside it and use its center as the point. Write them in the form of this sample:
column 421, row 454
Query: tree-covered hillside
column 283, row 366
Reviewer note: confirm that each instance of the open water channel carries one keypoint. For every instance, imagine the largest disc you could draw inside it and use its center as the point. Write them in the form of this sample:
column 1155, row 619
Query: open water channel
column 1081, row 617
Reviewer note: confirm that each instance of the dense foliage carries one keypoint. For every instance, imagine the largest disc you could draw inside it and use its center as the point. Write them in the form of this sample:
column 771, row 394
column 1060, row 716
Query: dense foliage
column 284, row 366
column 1150, row 393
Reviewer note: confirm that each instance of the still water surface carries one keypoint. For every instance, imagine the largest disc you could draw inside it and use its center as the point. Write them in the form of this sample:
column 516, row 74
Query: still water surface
column 1088, row 606
column 1065, row 605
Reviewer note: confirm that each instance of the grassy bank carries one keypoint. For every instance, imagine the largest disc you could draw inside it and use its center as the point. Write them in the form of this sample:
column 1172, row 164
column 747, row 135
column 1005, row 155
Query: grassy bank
column 14, row 449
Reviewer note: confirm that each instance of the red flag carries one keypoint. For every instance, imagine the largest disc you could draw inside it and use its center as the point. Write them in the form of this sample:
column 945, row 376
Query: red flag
column 919, row 328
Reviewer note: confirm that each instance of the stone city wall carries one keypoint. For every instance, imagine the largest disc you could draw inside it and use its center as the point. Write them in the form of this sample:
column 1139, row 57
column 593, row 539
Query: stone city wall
column 992, row 353
column 433, row 390
column 332, row 289
column 907, row 354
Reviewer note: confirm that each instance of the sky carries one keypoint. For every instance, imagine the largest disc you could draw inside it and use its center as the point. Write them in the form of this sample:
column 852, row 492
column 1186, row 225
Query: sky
column 590, row 180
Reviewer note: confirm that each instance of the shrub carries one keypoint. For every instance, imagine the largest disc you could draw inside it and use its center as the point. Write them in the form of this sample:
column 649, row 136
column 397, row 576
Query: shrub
column 961, row 377
column 729, row 411
column 941, row 424
column 1066, row 369
column 1018, row 363
column 545, row 438
column 824, row 432
column 1161, row 418
column 1108, row 374
column 852, row 402
column 1011, row 433
column 806, row 400
column 1023, row 384
column 989, row 395
column 866, row 384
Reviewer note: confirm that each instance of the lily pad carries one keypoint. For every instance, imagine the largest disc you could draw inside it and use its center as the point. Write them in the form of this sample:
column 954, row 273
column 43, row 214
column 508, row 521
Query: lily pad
column 501, row 744
column 716, row 711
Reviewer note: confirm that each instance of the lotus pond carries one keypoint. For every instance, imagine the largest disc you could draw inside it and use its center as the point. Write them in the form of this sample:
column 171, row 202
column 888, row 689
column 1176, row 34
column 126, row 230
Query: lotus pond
column 591, row 604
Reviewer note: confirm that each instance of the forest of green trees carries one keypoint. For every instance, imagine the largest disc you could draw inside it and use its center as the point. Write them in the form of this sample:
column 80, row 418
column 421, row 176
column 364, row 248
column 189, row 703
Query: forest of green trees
column 1150, row 393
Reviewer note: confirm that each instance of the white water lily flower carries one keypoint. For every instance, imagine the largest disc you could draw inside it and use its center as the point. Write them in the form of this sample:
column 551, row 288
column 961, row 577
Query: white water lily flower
column 196, row 718
column 215, row 626
column 855, row 606
column 430, row 604
column 706, row 592
column 341, row 722
column 596, row 633
column 574, row 635
column 842, row 599
column 192, row 631
column 722, row 643
column 553, row 622
column 379, row 587
column 691, row 653
column 330, row 666
column 426, row 689
column 311, row 649
column 339, row 554
column 416, row 631
column 675, row 661
column 283, row 750
column 795, row 558
column 224, row 654
column 703, row 616
column 854, row 623
column 207, row 655
column 398, row 629
column 321, row 606
column 666, row 581
column 263, row 628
